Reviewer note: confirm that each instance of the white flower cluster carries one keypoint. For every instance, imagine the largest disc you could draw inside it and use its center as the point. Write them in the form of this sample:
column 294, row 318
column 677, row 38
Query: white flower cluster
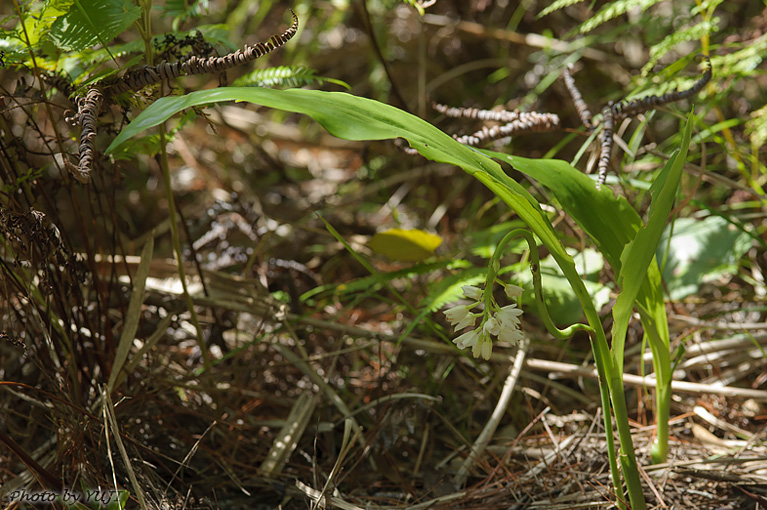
column 502, row 323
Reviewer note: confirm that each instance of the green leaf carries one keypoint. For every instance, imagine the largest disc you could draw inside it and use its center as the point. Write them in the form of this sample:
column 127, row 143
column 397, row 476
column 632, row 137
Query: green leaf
column 613, row 10
column 285, row 76
column 356, row 118
column 133, row 315
column 639, row 253
column 92, row 21
column 700, row 251
column 405, row 245
column 343, row 115
column 608, row 219
column 555, row 6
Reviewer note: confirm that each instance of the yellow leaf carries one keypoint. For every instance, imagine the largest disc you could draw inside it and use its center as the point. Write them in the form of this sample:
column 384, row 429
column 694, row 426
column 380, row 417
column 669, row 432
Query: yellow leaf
column 405, row 245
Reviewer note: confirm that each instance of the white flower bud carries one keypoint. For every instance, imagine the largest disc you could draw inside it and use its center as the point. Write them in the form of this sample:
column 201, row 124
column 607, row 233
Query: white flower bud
column 460, row 316
column 491, row 326
column 512, row 291
column 472, row 292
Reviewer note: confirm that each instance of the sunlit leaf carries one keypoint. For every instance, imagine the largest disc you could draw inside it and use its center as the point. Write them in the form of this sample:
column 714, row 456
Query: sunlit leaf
column 405, row 245
column 700, row 251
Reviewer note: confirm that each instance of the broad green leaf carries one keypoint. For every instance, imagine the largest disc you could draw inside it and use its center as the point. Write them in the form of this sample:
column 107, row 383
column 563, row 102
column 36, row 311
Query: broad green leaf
column 343, row 115
column 356, row 118
column 609, row 220
column 700, row 251
column 92, row 21
column 405, row 245
column 612, row 223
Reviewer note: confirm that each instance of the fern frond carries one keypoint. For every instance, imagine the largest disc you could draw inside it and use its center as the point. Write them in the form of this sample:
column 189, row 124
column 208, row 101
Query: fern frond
column 756, row 127
column 742, row 63
column 181, row 10
column 691, row 33
column 284, row 76
column 613, row 10
column 555, row 6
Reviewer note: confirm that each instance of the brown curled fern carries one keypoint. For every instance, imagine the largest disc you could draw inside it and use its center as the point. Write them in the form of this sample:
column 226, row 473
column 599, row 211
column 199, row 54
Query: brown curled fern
column 143, row 76
column 476, row 113
column 615, row 112
column 605, row 152
column 634, row 107
column 87, row 115
column 575, row 95
column 515, row 122
column 528, row 122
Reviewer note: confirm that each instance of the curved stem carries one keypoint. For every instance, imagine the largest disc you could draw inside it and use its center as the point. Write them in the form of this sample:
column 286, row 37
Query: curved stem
column 560, row 334
column 610, row 383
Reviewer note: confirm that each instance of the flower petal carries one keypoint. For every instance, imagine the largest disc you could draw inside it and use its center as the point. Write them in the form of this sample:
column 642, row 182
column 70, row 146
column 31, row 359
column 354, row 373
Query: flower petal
column 510, row 335
column 509, row 316
column 472, row 292
column 491, row 326
column 487, row 349
column 457, row 313
column 512, row 291
column 468, row 339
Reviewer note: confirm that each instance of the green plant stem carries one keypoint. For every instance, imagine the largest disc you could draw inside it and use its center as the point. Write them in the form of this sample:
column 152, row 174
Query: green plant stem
column 177, row 248
column 145, row 29
column 654, row 328
column 610, row 383
column 495, row 262
column 608, row 387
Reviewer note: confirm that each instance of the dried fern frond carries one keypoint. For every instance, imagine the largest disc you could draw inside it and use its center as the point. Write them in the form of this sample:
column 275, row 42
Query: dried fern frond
column 148, row 75
column 637, row 106
column 608, row 123
column 476, row 113
column 136, row 79
column 580, row 105
column 528, row 122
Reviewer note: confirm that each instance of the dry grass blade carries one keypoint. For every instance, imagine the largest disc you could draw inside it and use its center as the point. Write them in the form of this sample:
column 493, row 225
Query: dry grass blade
column 287, row 440
column 319, row 381
column 133, row 315
column 346, row 446
column 111, row 420
column 649, row 382
column 324, row 501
